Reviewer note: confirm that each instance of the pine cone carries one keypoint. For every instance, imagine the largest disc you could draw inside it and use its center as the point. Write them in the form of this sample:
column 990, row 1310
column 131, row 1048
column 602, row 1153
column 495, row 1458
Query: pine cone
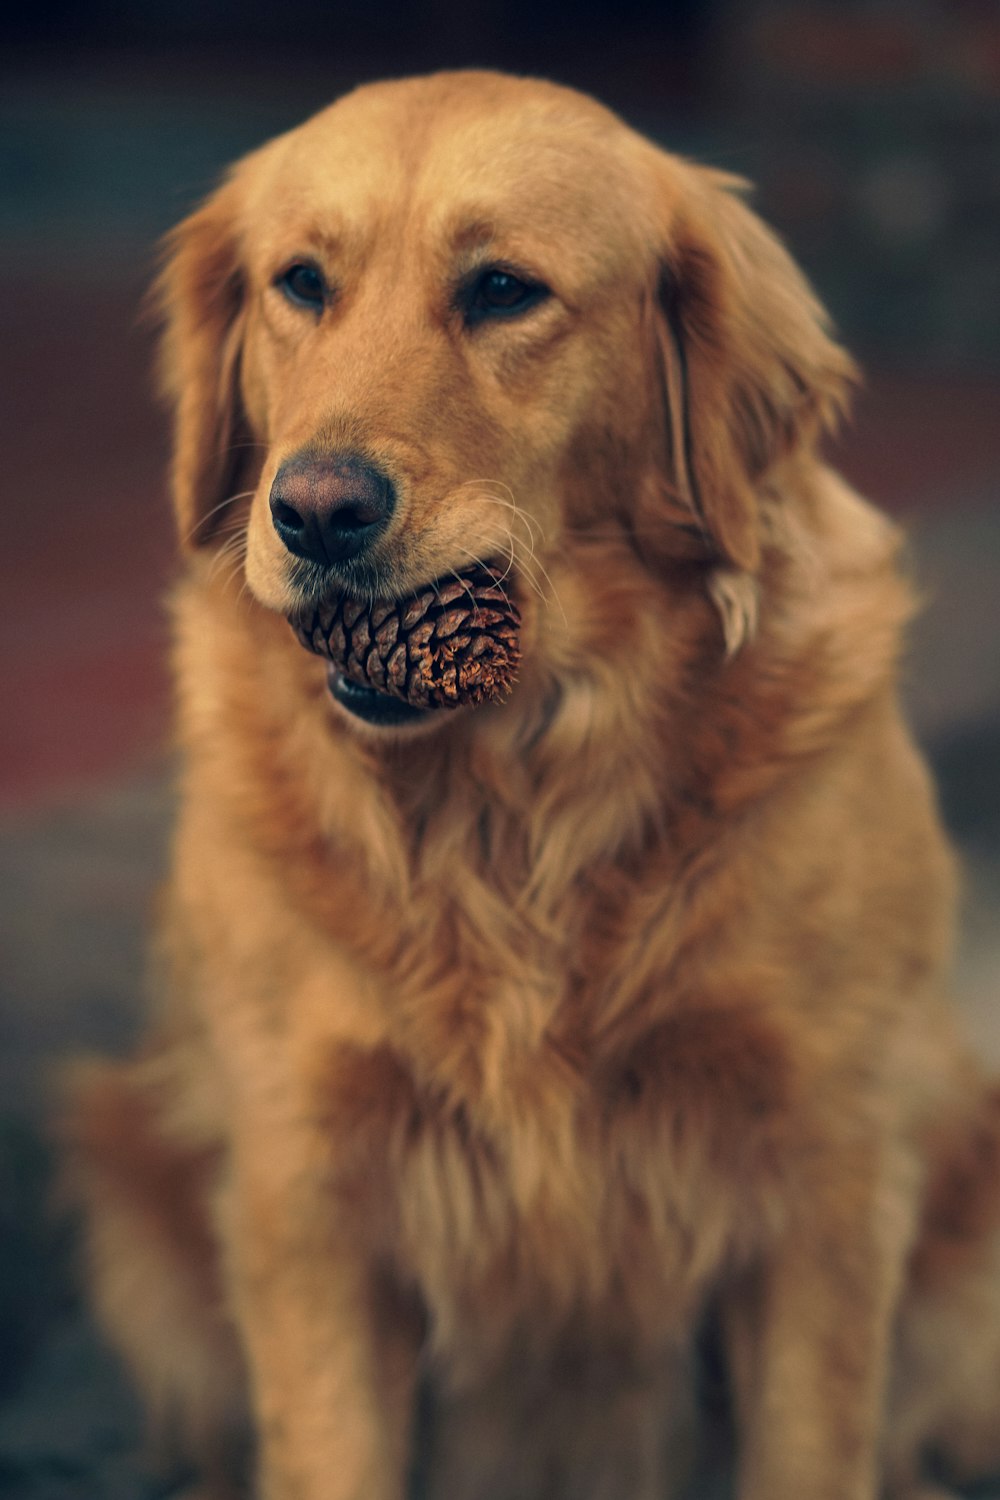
column 452, row 643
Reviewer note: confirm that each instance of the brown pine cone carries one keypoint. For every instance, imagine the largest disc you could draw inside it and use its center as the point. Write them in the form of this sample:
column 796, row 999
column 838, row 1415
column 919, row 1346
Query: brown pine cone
column 453, row 642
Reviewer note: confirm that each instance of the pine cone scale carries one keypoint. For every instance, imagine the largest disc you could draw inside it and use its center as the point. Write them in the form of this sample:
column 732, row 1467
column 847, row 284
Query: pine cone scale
column 375, row 670
column 395, row 670
column 386, row 635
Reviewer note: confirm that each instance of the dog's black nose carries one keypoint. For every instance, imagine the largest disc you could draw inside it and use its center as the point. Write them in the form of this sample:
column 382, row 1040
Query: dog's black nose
column 329, row 509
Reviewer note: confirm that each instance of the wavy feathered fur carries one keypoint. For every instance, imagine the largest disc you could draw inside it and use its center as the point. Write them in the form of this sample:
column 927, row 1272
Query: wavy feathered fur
column 521, row 1050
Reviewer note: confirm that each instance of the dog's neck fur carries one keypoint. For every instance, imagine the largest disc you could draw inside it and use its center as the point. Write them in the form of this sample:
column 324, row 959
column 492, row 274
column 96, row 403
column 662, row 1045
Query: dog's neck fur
column 525, row 830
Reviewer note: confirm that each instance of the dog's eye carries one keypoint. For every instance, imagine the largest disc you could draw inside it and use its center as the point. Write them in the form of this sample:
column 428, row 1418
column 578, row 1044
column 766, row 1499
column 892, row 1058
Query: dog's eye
column 500, row 294
column 303, row 285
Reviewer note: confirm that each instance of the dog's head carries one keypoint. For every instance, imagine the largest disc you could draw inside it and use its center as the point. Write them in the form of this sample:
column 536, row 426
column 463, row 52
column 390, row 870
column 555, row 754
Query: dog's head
column 475, row 318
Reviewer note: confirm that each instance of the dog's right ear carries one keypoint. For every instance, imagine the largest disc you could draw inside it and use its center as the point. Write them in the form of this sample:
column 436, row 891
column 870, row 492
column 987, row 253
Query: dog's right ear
column 200, row 295
column 747, row 365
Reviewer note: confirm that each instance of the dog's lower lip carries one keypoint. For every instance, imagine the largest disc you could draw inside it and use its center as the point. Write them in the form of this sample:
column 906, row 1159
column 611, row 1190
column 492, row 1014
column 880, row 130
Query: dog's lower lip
column 371, row 706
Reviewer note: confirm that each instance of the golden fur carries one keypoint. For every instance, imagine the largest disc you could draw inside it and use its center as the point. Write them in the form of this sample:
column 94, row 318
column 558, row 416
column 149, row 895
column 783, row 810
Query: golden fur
column 517, row 1053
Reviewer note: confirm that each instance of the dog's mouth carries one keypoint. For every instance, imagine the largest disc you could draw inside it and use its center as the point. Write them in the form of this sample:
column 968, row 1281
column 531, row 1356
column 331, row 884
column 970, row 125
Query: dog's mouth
column 452, row 644
column 374, row 707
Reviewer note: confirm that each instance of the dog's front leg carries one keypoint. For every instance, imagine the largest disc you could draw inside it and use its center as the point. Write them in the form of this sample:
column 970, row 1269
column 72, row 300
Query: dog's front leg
column 331, row 1368
column 808, row 1335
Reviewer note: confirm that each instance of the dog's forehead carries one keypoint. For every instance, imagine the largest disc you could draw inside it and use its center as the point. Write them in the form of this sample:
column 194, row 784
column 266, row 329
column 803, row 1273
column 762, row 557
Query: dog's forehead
column 452, row 157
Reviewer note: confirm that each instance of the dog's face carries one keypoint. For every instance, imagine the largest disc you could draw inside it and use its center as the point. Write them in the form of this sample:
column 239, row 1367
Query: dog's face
column 427, row 314
column 471, row 318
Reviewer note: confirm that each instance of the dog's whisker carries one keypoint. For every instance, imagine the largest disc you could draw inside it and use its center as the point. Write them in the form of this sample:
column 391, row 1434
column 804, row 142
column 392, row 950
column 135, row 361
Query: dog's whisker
column 510, row 501
column 437, row 591
column 503, row 540
column 226, row 551
column 501, row 485
column 552, row 596
column 528, row 521
column 548, row 579
column 525, row 568
column 473, row 557
column 466, row 585
column 509, row 543
column 232, row 556
column 227, row 533
column 518, row 515
column 232, row 526
column 528, row 567
column 214, row 511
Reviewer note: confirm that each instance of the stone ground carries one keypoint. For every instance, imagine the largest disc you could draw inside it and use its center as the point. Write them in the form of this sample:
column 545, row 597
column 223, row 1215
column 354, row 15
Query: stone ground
column 84, row 791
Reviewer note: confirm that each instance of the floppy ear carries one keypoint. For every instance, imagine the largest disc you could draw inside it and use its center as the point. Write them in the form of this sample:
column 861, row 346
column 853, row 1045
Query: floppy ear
column 200, row 295
column 748, row 369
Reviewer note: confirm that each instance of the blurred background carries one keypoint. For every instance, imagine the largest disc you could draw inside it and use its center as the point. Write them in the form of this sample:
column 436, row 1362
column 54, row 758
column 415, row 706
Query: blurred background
column 872, row 129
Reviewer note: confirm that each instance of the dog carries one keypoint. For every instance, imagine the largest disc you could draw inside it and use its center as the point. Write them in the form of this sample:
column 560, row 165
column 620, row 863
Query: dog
column 564, row 1056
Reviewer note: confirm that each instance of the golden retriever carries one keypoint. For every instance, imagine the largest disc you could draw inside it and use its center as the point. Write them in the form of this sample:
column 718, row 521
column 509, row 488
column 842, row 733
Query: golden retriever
column 531, row 1052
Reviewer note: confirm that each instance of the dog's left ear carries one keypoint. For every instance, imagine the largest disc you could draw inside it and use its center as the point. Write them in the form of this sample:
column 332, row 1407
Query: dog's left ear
column 200, row 296
column 748, row 369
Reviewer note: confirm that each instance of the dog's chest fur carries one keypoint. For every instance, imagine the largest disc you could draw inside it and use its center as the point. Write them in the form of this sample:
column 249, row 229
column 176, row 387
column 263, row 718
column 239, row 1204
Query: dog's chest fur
column 548, row 1129
column 582, row 1183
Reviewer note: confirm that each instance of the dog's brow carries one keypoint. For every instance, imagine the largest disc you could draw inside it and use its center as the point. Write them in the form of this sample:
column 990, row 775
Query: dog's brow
column 328, row 236
column 474, row 238
column 472, row 232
